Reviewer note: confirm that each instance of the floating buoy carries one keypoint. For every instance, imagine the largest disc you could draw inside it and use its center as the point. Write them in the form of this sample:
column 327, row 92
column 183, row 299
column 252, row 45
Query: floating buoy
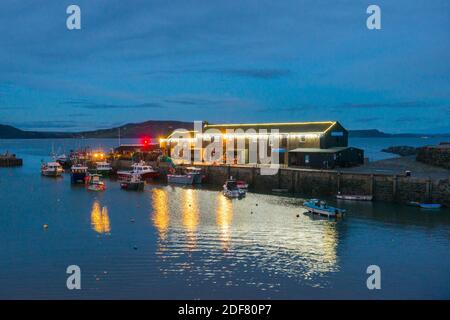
column 45, row 226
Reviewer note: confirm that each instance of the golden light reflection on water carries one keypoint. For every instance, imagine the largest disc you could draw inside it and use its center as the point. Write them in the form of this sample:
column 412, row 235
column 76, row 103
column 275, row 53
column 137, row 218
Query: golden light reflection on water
column 271, row 238
column 161, row 216
column 100, row 218
column 224, row 218
column 190, row 216
column 329, row 245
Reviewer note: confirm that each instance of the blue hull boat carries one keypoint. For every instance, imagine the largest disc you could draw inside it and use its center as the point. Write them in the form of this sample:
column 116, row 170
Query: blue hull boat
column 78, row 174
column 430, row 206
column 425, row 205
column 320, row 207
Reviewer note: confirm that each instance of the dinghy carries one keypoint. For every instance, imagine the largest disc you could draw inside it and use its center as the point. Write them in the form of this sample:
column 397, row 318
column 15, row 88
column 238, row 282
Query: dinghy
column 321, row 208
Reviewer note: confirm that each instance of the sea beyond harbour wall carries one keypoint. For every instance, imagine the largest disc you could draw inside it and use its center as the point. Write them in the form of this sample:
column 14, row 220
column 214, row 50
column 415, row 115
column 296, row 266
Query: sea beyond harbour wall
column 327, row 183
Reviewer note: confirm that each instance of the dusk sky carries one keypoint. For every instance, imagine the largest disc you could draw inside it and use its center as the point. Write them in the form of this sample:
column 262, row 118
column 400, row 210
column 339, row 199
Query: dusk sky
column 225, row 61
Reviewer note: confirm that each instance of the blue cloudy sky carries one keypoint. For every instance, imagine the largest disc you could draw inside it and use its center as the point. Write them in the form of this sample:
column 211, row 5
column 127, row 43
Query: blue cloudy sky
column 225, row 61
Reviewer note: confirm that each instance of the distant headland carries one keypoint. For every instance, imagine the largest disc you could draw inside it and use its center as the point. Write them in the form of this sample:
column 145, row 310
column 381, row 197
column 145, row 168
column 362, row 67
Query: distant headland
column 158, row 128
column 154, row 128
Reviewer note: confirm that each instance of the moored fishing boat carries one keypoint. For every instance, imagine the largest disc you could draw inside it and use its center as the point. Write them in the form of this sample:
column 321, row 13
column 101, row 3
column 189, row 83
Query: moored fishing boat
column 197, row 173
column 51, row 169
column 63, row 160
column 354, row 197
column 187, row 179
column 135, row 183
column 232, row 191
column 241, row 184
column 144, row 171
column 95, row 183
column 102, row 168
column 78, row 173
column 320, row 207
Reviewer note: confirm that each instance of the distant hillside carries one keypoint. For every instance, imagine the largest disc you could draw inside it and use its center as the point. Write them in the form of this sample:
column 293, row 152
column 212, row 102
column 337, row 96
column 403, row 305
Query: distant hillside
column 131, row 130
column 374, row 133
column 152, row 128
column 9, row 132
column 156, row 128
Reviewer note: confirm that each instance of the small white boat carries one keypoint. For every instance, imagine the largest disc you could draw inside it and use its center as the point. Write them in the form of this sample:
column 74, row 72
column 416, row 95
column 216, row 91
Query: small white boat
column 197, row 173
column 144, row 171
column 95, row 183
column 187, row 179
column 232, row 190
column 354, row 197
column 51, row 169
column 320, row 207
column 425, row 205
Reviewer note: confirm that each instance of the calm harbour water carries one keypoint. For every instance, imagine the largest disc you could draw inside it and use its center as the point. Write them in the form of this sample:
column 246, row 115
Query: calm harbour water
column 194, row 243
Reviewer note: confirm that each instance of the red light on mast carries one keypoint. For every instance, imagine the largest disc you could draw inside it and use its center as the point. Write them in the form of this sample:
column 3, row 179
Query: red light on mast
column 145, row 141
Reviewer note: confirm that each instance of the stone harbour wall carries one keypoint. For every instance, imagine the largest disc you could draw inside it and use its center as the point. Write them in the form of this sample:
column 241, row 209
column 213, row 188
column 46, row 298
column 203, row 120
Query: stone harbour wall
column 436, row 156
column 320, row 183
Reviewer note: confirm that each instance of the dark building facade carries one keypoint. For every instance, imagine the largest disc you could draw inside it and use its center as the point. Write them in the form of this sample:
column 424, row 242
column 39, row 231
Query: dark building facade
column 301, row 144
column 326, row 158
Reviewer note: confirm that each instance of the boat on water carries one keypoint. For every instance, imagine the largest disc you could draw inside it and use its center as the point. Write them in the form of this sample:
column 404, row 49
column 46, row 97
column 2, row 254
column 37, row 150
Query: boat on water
column 280, row 191
column 144, row 171
column 135, row 183
column 186, row 179
column 433, row 206
column 241, row 184
column 321, row 208
column 51, row 169
column 94, row 182
column 63, row 160
column 354, row 197
column 232, row 190
column 78, row 174
column 197, row 173
column 102, row 168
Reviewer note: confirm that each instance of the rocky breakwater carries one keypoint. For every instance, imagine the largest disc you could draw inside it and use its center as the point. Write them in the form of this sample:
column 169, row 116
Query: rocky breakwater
column 401, row 150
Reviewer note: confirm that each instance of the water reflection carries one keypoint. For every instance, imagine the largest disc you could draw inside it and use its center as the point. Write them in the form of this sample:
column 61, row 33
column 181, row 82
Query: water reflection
column 247, row 235
column 190, row 216
column 161, row 216
column 224, row 218
column 100, row 218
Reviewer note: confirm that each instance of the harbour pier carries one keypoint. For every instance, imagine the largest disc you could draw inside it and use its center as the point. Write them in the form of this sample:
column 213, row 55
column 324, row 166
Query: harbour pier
column 399, row 188
column 10, row 160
